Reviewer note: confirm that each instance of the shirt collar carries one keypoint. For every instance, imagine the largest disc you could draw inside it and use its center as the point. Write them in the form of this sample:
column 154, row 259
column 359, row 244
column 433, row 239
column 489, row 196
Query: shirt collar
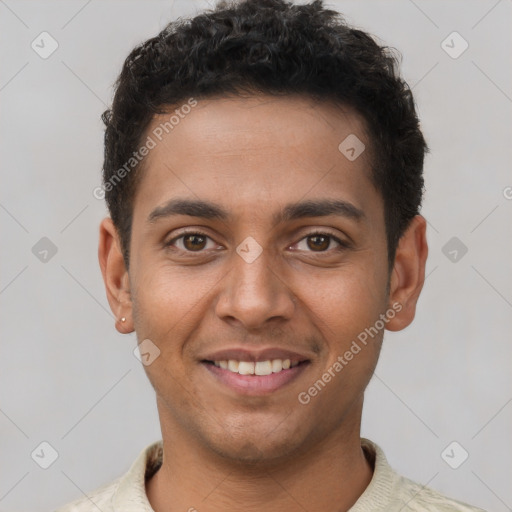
column 130, row 494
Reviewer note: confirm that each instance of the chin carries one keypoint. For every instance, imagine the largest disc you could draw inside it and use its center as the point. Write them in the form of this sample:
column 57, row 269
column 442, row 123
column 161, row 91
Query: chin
column 258, row 448
column 251, row 454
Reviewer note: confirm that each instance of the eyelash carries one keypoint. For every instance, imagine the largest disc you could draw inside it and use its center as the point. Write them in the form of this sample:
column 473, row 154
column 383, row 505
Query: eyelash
column 342, row 244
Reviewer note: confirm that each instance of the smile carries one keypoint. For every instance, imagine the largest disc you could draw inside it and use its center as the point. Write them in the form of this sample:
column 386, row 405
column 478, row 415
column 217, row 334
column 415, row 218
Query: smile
column 251, row 378
column 256, row 368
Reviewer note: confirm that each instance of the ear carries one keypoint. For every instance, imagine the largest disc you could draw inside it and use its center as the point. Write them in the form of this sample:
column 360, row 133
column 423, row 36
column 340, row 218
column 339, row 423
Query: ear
column 115, row 276
column 408, row 274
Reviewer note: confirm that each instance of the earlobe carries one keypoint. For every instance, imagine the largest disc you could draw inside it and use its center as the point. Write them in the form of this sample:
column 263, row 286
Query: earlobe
column 115, row 276
column 408, row 274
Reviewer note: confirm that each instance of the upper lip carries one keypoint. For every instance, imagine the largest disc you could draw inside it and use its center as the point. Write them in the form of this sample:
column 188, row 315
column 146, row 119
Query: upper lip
column 255, row 355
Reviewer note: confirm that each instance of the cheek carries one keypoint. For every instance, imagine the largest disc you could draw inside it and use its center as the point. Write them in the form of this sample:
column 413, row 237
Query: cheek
column 342, row 307
column 168, row 306
column 169, row 302
column 343, row 303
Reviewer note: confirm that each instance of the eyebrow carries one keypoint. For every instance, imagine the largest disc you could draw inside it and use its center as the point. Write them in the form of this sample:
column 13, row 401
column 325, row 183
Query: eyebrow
column 211, row 211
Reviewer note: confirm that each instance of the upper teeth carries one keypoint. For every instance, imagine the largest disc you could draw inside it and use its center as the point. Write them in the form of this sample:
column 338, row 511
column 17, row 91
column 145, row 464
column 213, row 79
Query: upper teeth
column 259, row 368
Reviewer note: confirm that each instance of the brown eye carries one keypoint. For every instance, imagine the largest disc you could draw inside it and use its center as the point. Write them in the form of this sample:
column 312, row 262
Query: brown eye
column 321, row 242
column 318, row 242
column 194, row 242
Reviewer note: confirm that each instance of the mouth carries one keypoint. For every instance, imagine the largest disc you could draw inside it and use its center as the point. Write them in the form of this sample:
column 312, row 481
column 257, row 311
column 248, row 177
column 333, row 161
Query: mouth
column 255, row 378
column 255, row 368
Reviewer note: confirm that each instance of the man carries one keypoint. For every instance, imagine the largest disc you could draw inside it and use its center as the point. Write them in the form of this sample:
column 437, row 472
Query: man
column 263, row 172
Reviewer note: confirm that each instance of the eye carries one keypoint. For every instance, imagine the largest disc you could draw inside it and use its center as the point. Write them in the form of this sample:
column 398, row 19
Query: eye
column 192, row 242
column 320, row 242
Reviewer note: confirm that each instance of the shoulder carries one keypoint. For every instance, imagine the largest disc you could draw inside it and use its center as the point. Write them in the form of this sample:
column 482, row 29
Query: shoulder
column 100, row 499
column 126, row 492
column 391, row 492
column 414, row 497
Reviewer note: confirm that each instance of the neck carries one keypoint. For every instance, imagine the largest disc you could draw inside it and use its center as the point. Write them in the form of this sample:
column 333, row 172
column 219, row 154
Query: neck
column 329, row 475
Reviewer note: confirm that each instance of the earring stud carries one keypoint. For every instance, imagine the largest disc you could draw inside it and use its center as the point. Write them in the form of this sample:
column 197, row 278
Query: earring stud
column 123, row 319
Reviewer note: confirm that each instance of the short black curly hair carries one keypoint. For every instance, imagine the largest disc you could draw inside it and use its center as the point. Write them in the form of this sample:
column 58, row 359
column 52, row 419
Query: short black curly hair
column 272, row 47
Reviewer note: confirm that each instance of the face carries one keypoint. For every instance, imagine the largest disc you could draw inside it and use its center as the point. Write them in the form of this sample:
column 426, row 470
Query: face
column 255, row 240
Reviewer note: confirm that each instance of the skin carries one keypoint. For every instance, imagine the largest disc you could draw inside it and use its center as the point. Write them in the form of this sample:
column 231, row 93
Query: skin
column 252, row 156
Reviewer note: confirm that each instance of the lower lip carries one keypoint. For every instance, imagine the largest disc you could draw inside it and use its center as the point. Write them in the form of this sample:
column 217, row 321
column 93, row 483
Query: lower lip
column 256, row 385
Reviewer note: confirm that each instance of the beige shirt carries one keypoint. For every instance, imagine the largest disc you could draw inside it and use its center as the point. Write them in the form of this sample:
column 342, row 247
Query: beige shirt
column 387, row 490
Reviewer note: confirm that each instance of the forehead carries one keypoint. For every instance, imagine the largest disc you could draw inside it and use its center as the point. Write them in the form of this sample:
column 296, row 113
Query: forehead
column 258, row 149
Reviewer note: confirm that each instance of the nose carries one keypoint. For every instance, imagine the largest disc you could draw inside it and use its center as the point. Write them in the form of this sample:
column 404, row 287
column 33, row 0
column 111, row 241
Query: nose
column 253, row 295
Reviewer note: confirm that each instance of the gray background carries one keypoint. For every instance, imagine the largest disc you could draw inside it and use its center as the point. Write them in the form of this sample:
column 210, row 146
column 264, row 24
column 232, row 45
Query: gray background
column 68, row 378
